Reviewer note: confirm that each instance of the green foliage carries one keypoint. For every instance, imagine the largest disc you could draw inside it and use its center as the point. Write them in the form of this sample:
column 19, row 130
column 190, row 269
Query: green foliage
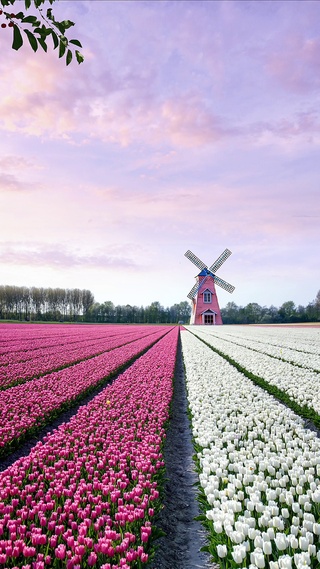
column 39, row 27
column 255, row 314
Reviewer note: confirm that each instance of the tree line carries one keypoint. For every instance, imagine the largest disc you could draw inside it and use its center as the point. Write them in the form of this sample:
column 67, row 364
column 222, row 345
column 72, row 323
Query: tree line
column 288, row 312
column 75, row 305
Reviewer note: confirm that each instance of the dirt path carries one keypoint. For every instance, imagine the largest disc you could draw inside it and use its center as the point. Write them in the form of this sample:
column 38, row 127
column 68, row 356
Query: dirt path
column 180, row 548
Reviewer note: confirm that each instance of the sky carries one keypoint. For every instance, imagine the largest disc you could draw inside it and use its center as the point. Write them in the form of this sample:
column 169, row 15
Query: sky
column 190, row 125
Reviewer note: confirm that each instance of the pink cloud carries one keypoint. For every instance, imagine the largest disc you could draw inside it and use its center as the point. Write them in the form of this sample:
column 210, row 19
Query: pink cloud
column 15, row 173
column 10, row 183
column 295, row 65
column 37, row 255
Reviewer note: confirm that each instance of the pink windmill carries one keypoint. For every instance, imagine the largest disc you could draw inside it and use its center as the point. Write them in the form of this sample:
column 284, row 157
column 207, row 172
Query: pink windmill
column 205, row 306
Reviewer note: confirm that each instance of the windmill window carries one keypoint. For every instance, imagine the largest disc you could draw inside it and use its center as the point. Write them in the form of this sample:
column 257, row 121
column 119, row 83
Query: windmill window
column 207, row 297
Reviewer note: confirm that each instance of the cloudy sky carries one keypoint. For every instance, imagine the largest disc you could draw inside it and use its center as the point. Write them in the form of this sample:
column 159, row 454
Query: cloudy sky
column 190, row 125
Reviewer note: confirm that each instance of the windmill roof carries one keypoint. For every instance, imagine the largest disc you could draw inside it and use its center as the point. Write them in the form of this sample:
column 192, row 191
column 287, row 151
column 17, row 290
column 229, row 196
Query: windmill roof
column 205, row 273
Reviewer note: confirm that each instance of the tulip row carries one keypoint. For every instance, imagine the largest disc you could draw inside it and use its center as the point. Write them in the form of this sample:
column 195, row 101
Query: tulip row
column 85, row 497
column 46, row 360
column 298, row 387
column 299, row 339
column 22, row 340
column 259, row 468
column 26, row 337
column 26, row 407
column 306, row 354
column 14, row 348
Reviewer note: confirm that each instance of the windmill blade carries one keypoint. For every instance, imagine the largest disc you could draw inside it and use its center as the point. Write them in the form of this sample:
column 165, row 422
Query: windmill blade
column 220, row 260
column 193, row 291
column 195, row 260
column 227, row 286
column 195, row 288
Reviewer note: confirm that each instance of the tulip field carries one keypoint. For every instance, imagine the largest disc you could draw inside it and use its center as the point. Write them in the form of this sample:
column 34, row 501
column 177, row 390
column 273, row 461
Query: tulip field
column 258, row 463
column 85, row 496
column 89, row 491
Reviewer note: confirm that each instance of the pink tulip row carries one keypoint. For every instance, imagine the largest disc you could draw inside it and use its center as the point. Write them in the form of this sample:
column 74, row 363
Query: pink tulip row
column 87, row 495
column 25, row 407
column 46, row 335
column 51, row 359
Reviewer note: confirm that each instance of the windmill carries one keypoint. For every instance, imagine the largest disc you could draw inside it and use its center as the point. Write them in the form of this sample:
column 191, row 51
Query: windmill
column 205, row 307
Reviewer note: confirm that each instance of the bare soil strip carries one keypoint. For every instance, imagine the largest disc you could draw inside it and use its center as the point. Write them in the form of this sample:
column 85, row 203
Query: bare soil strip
column 180, row 547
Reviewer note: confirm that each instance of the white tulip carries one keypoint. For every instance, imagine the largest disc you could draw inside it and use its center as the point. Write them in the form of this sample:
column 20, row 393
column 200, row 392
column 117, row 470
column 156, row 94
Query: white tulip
column 281, row 541
column 239, row 553
column 271, row 533
column 312, row 550
column 267, row 547
column 316, row 529
column 303, row 543
column 217, row 526
column 294, row 544
column 221, row 550
column 316, row 496
column 259, row 560
column 285, row 562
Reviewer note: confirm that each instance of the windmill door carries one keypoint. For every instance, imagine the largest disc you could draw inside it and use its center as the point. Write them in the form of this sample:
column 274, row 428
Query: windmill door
column 209, row 318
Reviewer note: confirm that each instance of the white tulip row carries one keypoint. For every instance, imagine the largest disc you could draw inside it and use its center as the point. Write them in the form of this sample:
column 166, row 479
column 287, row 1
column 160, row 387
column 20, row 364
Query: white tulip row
column 299, row 356
column 302, row 385
column 300, row 339
column 260, row 468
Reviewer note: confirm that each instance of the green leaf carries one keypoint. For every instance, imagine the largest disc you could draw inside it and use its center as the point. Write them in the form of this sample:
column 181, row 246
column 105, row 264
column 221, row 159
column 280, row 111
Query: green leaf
column 30, row 20
column 67, row 24
column 75, row 42
column 43, row 44
column 55, row 39
column 69, row 57
column 79, row 57
column 32, row 40
column 27, row 4
column 17, row 38
column 62, row 47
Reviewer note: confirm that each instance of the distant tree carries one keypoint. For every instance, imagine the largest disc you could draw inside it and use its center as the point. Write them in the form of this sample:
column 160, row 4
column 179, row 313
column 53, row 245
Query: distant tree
column 230, row 314
column 38, row 25
column 87, row 300
column 287, row 311
column 253, row 313
column 38, row 297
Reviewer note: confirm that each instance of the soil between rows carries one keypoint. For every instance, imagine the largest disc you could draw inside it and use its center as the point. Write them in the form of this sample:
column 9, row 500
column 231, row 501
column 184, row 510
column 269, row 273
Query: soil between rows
column 180, row 547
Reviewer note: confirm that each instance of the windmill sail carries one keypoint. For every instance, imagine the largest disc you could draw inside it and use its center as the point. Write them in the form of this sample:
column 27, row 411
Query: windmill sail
column 195, row 289
column 195, row 260
column 220, row 260
column 227, row 286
